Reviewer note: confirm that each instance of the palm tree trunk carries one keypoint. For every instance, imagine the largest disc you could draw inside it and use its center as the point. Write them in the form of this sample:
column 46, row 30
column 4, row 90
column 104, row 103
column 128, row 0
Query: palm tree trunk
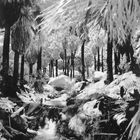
column 65, row 52
column 109, row 61
column 95, row 62
column 68, row 67
column 22, row 69
column 5, row 62
column 73, row 66
column 39, row 65
column 63, row 66
column 50, row 69
column 98, row 65
column 83, row 60
column 53, row 67
column 87, row 71
column 16, row 67
column 102, row 60
column 71, row 71
column 116, row 62
column 56, row 65
column 30, row 69
column 127, row 57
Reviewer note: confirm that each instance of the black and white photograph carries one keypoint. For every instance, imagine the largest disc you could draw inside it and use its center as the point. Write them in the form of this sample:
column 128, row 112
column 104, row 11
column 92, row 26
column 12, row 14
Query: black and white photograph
column 69, row 69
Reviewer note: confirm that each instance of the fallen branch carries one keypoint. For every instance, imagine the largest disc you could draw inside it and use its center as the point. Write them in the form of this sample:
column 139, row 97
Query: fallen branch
column 17, row 112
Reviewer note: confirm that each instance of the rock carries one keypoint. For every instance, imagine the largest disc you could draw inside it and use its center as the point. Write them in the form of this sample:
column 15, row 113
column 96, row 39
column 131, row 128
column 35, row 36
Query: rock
column 61, row 81
column 98, row 75
column 91, row 89
column 60, row 72
column 57, row 102
column 78, row 76
column 48, row 88
column 127, row 81
column 77, row 86
column 91, row 109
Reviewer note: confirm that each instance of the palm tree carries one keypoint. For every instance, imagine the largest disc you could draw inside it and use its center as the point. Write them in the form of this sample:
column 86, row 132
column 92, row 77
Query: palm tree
column 9, row 13
column 20, row 39
column 32, row 54
column 109, row 60
column 118, row 18
column 8, row 10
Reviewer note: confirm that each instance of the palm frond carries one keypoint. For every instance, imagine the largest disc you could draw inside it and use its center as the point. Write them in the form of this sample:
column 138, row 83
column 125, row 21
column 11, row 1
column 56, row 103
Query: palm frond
column 32, row 51
column 134, row 133
column 21, row 35
column 63, row 13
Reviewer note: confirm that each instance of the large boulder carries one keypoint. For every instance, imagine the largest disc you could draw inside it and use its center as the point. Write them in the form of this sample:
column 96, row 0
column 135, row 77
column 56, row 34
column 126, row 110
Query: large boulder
column 91, row 90
column 124, row 82
column 98, row 75
column 48, row 88
column 61, row 81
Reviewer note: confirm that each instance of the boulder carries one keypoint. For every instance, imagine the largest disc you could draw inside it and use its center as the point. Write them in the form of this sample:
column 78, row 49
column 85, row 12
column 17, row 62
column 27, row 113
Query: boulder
column 77, row 86
column 57, row 102
column 91, row 89
column 48, row 88
column 98, row 75
column 91, row 109
column 127, row 81
column 61, row 81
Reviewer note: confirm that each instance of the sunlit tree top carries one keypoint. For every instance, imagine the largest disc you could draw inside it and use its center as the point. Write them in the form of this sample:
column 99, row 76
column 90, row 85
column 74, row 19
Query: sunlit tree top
column 118, row 17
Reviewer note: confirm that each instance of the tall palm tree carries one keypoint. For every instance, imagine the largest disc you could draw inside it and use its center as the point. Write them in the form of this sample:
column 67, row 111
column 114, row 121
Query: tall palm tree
column 20, row 39
column 9, row 13
column 118, row 18
column 31, row 54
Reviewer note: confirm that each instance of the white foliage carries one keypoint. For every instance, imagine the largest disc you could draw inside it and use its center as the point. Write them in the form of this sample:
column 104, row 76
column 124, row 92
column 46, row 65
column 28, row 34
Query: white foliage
column 62, row 81
column 91, row 109
column 77, row 125
column 48, row 132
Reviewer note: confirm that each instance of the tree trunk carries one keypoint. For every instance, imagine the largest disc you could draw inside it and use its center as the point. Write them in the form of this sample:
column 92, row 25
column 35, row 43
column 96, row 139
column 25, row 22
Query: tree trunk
column 95, row 62
column 5, row 62
column 72, row 64
column 87, row 71
column 22, row 69
column 127, row 57
column 117, row 61
column 102, row 60
column 56, row 65
column 30, row 69
column 83, row 60
column 65, row 52
column 109, row 61
column 16, row 67
column 39, row 61
column 50, row 69
column 73, row 67
column 129, row 50
column 68, row 67
column 98, row 64
column 71, row 71
column 44, row 71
